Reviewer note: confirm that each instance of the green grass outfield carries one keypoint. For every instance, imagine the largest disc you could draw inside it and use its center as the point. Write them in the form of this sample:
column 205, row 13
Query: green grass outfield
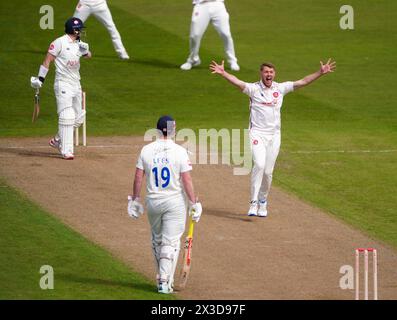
column 31, row 238
column 346, row 121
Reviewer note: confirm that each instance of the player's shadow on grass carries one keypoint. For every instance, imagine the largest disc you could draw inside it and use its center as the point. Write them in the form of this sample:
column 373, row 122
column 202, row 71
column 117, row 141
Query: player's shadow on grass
column 155, row 63
column 227, row 215
column 30, row 153
column 38, row 52
column 146, row 287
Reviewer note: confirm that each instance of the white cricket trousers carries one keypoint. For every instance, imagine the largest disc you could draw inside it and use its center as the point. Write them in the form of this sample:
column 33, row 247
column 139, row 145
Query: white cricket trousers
column 203, row 14
column 265, row 149
column 70, row 112
column 102, row 13
column 167, row 218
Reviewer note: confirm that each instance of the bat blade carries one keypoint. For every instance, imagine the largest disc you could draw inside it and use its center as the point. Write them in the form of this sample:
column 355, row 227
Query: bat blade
column 36, row 109
column 187, row 257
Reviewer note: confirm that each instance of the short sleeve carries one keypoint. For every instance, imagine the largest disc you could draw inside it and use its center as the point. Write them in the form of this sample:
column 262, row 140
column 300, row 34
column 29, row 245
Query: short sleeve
column 139, row 163
column 249, row 89
column 55, row 48
column 286, row 87
column 186, row 164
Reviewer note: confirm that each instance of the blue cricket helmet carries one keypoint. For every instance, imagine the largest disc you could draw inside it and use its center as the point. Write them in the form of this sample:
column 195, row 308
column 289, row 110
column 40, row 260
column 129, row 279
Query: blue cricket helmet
column 73, row 26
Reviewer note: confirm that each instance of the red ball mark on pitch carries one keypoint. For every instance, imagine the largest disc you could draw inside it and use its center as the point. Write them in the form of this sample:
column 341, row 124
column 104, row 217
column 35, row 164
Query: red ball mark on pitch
column 275, row 94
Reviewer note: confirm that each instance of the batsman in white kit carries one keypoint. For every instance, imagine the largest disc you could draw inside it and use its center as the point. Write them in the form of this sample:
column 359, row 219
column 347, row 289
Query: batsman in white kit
column 204, row 12
column 100, row 10
column 66, row 52
column 168, row 183
column 266, row 98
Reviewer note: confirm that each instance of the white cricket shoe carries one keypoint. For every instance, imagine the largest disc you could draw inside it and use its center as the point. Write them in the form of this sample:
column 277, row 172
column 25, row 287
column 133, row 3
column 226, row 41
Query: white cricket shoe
column 234, row 66
column 124, row 55
column 188, row 65
column 163, row 287
column 262, row 211
column 55, row 143
column 68, row 156
column 253, row 210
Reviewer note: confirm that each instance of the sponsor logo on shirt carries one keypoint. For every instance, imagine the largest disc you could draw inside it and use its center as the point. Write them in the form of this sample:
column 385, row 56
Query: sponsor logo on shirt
column 73, row 63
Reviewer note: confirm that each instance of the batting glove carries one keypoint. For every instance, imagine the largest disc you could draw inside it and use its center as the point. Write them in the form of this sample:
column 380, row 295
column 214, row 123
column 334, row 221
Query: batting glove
column 35, row 82
column 135, row 208
column 84, row 48
column 195, row 211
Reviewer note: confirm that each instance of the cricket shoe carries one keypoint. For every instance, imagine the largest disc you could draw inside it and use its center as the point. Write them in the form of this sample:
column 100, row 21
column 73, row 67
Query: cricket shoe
column 163, row 287
column 188, row 65
column 253, row 210
column 54, row 143
column 234, row 66
column 68, row 156
column 262, row 211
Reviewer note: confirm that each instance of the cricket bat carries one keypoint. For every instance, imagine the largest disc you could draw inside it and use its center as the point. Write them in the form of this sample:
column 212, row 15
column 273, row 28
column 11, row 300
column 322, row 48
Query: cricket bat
column 36, row 109
column 187, row 256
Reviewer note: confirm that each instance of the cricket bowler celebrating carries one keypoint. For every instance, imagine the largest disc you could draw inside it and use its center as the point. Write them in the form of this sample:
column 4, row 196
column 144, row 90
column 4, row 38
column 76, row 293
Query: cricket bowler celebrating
column 167, row 169
column 266, row 98
column 204, row 12
column 100, row 9
column 66, row 52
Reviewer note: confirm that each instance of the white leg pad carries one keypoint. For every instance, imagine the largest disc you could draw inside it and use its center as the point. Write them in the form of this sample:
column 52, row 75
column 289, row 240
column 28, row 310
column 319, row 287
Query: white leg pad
column 168, row 261
column 66, row 123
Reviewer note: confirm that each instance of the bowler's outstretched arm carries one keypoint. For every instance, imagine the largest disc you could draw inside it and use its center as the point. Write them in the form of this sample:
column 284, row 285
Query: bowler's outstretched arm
column 220, row 69
column 324, row 69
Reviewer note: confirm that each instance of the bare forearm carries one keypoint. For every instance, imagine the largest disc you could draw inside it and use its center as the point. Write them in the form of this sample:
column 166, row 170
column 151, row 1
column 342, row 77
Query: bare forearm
column 233, row 80
column 47, row 60
column 307, row 80
column 137, row 183
column 188, row 186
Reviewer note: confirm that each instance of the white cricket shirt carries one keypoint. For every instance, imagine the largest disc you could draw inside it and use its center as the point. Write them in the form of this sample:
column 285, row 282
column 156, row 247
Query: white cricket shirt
column 92, row 2
column 163, row 162
column 67, row 62
column 201, row 1
column 265, row 105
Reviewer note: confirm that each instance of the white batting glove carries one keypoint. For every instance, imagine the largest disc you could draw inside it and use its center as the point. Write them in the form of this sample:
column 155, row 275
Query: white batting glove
column 35, row 82
column 135, row 208
column 84, row 48
column 195, row 210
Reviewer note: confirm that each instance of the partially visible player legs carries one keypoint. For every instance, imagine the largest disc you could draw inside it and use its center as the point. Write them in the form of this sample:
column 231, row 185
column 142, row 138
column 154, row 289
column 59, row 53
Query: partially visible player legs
column 66, row 125
column 174, row 220
column 220, row 21
column 272, row 150
column 65, row 94
column 82, row 12
column 258, row 149
column 78, row 109
column 200, row 21
column 156, row 247
column 105, row 17
column 167, row 219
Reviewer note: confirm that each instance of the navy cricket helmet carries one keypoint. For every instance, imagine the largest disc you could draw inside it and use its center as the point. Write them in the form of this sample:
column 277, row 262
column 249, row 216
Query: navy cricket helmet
column 166, row 124
column 74, row 26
